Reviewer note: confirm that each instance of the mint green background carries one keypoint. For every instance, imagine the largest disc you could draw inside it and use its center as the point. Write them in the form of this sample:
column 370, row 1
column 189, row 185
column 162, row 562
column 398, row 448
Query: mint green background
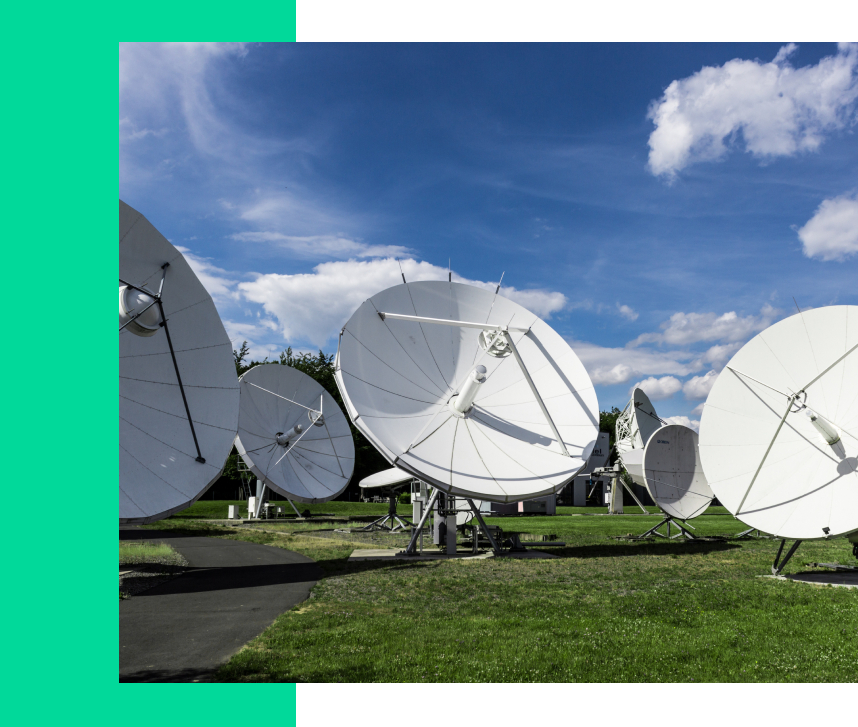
column 60, row 146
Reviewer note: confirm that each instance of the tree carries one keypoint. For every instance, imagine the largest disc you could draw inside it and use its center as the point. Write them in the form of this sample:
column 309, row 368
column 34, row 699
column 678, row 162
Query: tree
column 239, row 358
column 608, row 423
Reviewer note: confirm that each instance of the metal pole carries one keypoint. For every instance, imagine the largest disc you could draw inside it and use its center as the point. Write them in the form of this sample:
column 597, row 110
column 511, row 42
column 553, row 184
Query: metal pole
column 200, row 457
column 491, row 540
column 771, row 444
column 633, row 496
column 419, row 529
column 776, row 568
column 535, row 392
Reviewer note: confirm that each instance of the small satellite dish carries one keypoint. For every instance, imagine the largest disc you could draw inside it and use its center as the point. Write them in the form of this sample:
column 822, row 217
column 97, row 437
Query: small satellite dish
column 467, row 391
column 178, row 392
column 292, row 435
column 673, row 474
column 633, row 430
column 778, row 432
column 387, row 479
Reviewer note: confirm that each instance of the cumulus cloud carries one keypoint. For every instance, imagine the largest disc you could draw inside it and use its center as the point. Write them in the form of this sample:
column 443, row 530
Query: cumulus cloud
column 320, row 246
column 627, row 312
column 683, row 329
column 698, row 410
column 608, row 366
column 314, row 306
column 656, row 389
column 832, row 232
column 779, row 110
column 684, row 421
column 698, row 387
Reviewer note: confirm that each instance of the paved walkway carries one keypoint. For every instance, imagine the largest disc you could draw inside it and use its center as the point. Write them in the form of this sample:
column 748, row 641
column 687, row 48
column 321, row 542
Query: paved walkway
column 184, row 629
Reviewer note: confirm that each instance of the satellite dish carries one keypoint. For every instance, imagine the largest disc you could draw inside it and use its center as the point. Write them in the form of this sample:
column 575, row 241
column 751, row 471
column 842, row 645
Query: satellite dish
column 673, row 474
column 633, row 429
column 387, row 479
column 778, row 431
column 292, row 435
column 467, row 391
column 178, row 392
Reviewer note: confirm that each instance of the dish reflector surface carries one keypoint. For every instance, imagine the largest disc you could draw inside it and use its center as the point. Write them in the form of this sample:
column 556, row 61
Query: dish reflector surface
column 386, row 478
column 281, row 444
column 634, row 427
column 158, row 469
column 397, row 377
column 673, row 473
column 766, row 461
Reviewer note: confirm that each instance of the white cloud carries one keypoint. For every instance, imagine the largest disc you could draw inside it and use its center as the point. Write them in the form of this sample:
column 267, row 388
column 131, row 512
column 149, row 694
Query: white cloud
column 627, row 312
column 608, row 366
column 214, row 279
column 698, row 410
column 832, row 232
column 685, row 328
column 719, row 354
column 779, row 110
column 656, row 389
column 698, row 387
column 684, row 421
column 314, row 306
column 320, row 246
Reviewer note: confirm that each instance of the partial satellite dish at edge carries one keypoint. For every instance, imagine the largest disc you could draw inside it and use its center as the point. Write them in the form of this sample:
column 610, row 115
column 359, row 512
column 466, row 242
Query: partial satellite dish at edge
column 178, row 392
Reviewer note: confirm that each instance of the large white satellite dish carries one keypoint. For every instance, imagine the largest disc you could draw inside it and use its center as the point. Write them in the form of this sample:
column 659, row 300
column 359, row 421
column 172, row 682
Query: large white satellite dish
column 633, row 429
column 779, row 431
column 178, row 392
column 673, row 473
column 467, row 390
column 292, row 435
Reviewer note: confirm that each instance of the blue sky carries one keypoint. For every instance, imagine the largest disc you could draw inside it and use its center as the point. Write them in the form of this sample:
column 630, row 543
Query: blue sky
column 658, row 204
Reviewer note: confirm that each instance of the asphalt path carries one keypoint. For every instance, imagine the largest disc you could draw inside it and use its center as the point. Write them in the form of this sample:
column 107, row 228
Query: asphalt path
column 184, row 629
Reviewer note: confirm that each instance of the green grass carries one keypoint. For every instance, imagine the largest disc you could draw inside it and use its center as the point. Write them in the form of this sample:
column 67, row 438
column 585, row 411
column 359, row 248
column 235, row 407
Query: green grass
column 146, row 552
column 605, row 610
column 219, row 509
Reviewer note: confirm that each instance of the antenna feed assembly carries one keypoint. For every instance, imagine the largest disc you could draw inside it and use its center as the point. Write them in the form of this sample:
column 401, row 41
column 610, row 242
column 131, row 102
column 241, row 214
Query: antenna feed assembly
column 138, row 312
column 461, row 404
column 283, row 439
column 494, row 343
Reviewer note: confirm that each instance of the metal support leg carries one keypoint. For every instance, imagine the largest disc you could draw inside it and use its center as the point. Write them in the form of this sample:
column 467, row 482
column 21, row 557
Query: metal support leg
column 778, row 567
column 668, row 520
column 293, row 507
column 415, row 532
column 476, row 511
column 634, row 497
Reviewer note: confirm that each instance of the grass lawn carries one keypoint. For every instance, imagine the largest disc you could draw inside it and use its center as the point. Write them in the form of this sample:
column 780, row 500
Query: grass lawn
column 134, row 552
column 605, row 610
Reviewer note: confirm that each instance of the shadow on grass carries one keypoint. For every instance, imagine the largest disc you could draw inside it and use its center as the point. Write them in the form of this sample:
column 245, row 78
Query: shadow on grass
column 644, row 548
column 168, row 675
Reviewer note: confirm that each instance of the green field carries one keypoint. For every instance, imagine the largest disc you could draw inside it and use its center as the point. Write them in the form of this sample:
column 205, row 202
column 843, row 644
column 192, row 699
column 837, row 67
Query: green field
column 604, row 610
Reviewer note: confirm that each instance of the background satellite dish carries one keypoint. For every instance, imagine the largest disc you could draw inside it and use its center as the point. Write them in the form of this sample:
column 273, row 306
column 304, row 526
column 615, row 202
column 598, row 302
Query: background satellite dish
column 178, row 392
column 674, row 476
column 633, row 429
column 292, row 435
column 387, row 478
column 484, row 400
column 778, row 432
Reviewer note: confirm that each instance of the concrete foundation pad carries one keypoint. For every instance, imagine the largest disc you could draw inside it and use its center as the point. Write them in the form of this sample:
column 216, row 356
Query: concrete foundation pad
column 815, row 578
column 396, row 555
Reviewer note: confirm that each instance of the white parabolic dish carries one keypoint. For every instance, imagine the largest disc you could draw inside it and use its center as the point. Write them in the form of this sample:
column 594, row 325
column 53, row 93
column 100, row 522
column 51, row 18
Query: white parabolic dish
column 284, row 442
column 386, row 478
column 399, row 379
column 673, row 474
column 159, row 473
column 634, row 428
column 765, row 459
